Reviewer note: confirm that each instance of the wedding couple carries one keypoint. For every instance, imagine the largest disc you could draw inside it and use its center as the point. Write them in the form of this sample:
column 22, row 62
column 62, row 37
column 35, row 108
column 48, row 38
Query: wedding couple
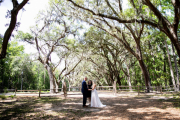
column 90, row 91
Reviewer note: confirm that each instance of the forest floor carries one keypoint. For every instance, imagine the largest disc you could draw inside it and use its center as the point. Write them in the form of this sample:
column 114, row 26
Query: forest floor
column 125, row 106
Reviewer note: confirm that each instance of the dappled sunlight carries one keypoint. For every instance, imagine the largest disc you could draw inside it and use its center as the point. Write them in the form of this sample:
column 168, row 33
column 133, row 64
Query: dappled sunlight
column 118, row 107
column 73, row 103
column 161, row 97
column 120, row 104
column 8, row 101
column 155, row 113
column 100, row 117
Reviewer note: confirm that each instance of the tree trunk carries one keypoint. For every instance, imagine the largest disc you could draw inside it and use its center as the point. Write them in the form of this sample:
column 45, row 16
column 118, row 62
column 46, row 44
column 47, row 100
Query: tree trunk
column 64, row 88
column 174, row 40
column 69, row 82
column 176, row 68
column 1, row 73
column 119, row 81
column 169, row 29
column 129, row 78
column 51, row 79
column 12, row 25
column 171, row 70
column 134, row 73
column 56, row 86
column 165, row 68
column 21, row 82
column 111, row 79
column 143, row 67
column 145, row 74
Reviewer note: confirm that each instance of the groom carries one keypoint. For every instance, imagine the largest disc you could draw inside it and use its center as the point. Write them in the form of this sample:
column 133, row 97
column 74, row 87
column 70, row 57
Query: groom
column 84, row 91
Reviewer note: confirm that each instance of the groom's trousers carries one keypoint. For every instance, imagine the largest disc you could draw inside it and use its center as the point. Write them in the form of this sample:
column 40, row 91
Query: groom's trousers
column 84, row 98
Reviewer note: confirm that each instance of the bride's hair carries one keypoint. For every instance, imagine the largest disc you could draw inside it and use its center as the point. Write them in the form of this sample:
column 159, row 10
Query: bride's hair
column 94, row 81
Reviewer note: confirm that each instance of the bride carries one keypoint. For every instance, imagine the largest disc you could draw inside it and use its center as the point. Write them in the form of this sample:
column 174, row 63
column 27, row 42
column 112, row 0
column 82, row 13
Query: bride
column 95, row 101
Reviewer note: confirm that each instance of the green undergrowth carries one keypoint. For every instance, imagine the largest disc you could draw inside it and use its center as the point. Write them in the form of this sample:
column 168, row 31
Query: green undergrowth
column 5, row 97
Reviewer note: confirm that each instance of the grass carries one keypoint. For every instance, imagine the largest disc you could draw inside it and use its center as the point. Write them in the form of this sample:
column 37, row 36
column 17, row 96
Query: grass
column 3, row 97
column 11, row 96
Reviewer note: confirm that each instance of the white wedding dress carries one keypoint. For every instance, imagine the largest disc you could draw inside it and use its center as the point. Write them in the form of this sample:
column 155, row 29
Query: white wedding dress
column 95, row 101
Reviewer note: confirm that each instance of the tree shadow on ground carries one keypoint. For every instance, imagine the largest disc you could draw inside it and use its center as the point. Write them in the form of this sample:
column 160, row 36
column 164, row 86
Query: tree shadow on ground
column 121, row 108
column 24, row 108
column 175, row 102
column 133, row 108
column 71, row 108
column 12, row 110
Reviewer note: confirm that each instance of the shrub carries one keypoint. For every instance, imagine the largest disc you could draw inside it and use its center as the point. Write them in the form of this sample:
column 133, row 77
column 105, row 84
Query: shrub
column 12, row 96
column 3, row 97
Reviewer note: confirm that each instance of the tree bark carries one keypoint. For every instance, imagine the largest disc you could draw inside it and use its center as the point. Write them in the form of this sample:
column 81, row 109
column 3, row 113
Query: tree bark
column 145, row 74
column 143, row 66
column 56, row 86
column 165, row 67
column 119, row 80
column 169, row 29
column 7, row 35
column 174, row 39
column 2, row 73
column 51, row 79
column 176, row 68
column 64, row 88
column 129, row 78
column 170, row 65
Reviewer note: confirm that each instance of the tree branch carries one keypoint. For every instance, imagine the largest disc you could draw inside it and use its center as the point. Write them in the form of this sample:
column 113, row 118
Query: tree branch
column 7, row 35
column 113, row 17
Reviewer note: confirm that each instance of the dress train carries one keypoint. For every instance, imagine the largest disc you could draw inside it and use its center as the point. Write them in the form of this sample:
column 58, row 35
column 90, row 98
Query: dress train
column 95, row 101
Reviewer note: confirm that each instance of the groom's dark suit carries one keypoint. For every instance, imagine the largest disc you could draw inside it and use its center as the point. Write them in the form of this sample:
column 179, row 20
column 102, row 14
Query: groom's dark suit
column 84, row 92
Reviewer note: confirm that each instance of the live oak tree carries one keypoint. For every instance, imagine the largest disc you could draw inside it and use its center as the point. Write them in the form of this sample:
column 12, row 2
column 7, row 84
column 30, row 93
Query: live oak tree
column 106, row 58
column 101, row 44
column 13, row 15
column 152, row 13
column 50, row 36
column 87, row 12
column 171, row 70
column 160, row 14
column 176, row 67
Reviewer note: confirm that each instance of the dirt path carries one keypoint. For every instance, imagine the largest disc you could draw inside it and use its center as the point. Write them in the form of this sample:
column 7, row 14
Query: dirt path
column 125, row 106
